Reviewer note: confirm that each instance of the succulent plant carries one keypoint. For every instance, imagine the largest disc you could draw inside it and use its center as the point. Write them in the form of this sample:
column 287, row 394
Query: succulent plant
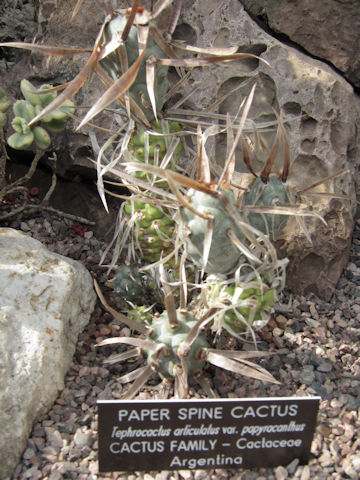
column 151, row 229
column 25, row 135
column 208, row 243
column 242, row 306
column 273, row 193
column 4, row 107
column 26, row 110
column 112, row 65
column 147, row 147
column 128, row 283
column 172, row 339
column 176, row 348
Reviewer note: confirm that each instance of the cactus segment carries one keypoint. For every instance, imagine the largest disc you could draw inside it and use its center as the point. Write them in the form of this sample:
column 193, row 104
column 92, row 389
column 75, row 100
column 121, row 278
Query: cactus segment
column 128, row 283
column 137, row 149
column 153, row 229
column 172, row 339
column 111, row 64
column 223, row 256
column 241, row 307
column 268, row 194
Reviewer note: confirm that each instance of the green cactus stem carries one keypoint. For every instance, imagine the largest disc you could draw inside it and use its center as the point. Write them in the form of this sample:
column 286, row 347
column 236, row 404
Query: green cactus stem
column 241, row 307
column 270, row 194
column 223, row 256
column 152, row 229
column 128, row 283
column 112, row 65
column 154, row 148
column 172, row 340
column 176, row 349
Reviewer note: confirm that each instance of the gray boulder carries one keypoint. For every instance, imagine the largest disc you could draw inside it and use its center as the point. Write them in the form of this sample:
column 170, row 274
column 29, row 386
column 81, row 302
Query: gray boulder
column 45, row 302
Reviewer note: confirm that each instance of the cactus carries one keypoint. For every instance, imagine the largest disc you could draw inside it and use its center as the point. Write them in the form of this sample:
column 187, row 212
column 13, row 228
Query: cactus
column 155, row 148
column 152, row 229
column 172, row 338
column 128, row 283
column 176, row 347
column 243, row 307
column 112, row 65
column 270, row 194
column 223, row 256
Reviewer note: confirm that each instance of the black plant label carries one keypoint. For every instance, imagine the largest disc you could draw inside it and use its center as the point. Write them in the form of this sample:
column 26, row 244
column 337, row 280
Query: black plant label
column 204, row 434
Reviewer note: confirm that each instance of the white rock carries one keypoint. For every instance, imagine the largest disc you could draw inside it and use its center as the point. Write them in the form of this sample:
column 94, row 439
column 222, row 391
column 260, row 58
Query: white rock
column 45, row 302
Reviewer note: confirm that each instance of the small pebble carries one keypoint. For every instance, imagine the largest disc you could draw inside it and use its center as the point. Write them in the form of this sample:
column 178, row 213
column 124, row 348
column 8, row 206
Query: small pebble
column 321, row 339
column 281, row 473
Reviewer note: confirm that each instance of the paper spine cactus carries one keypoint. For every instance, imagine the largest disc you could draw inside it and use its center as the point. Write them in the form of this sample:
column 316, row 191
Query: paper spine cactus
column 270, row 194
column 128, row 283
column 152, row 229
column 151, row 148
column 223, row 256
column 172, row 339
column 112, row 65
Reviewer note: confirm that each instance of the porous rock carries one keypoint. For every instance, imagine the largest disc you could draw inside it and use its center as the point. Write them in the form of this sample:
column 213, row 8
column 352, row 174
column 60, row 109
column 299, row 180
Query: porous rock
column 329, row 29
column 45, row 302
column 321, row 114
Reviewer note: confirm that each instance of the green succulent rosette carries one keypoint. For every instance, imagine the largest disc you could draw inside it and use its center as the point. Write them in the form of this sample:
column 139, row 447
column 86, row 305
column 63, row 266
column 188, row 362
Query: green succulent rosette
column 25, row 110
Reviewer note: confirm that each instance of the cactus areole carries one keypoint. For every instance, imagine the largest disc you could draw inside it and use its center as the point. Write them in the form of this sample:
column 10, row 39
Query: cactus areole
column 172, row 339
column 224, row 256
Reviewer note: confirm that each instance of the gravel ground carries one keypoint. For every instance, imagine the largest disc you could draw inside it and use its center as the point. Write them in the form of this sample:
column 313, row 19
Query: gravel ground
column 323, row 343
